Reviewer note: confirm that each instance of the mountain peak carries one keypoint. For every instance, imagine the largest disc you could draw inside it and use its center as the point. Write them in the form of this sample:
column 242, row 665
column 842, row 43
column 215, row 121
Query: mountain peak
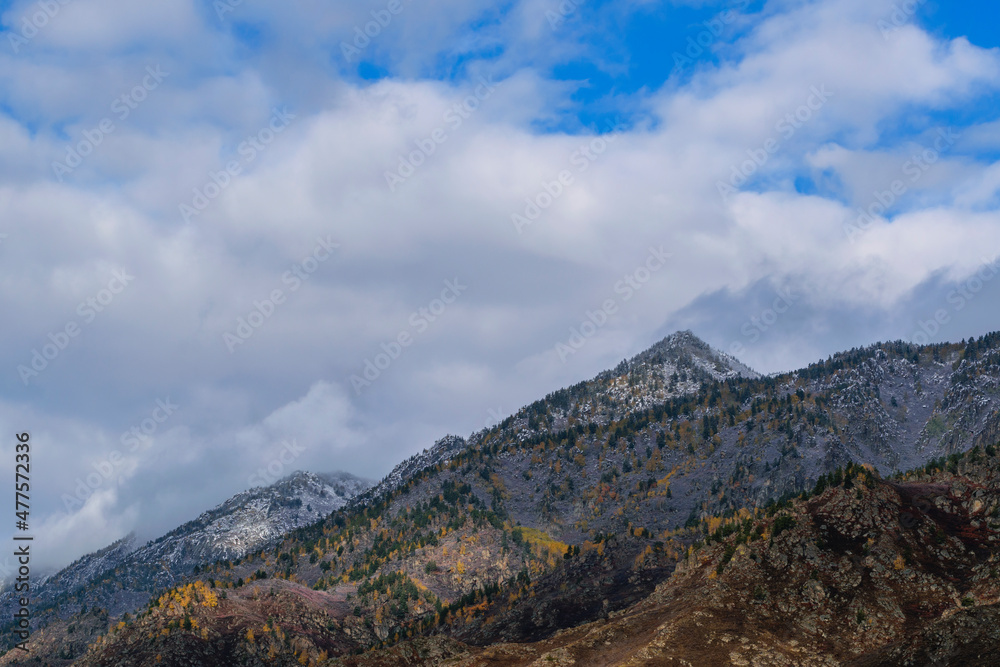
column 343, row 483
column 686, row 346
column 685, row 334
column 248, row 521
column 680, row 363
column 441, row 451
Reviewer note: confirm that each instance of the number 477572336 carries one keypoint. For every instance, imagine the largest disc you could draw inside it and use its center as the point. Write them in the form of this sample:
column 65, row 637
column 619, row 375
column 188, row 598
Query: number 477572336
column 22, row 480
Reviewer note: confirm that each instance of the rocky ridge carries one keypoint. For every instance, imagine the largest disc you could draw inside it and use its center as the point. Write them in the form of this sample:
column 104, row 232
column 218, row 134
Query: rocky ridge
column 121, row 577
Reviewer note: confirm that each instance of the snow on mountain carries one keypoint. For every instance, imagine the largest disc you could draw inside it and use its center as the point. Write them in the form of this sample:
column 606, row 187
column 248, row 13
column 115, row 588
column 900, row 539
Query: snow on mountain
column 247, row 522
column 251, row 519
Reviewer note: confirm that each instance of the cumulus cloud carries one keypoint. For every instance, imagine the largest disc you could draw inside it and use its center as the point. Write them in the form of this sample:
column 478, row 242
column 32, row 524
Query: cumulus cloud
column 329, row 212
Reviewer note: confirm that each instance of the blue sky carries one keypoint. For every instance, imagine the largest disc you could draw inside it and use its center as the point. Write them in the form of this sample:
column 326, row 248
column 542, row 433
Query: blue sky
column 362, row 243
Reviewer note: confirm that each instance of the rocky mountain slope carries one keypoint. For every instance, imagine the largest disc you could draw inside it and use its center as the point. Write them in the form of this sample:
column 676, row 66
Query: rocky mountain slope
column 675, row 366
column 578, row 507
column 254, row 518
column 660, row 440
column 121, row 577
column 860, row 571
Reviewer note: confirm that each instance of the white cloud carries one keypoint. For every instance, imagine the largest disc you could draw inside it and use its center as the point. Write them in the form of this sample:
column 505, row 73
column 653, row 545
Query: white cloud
column 324, row 176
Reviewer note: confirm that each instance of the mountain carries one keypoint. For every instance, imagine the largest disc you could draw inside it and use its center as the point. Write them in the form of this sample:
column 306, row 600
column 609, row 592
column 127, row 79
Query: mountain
column 120, row 578
column 676, row 366
column 581, row 506
column 860, row 571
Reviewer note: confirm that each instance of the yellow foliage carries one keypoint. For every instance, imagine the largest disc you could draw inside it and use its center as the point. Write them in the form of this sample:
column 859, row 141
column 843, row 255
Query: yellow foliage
column 655, row 461
column 642, row 556
column 899, row 563
column 543, row 543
